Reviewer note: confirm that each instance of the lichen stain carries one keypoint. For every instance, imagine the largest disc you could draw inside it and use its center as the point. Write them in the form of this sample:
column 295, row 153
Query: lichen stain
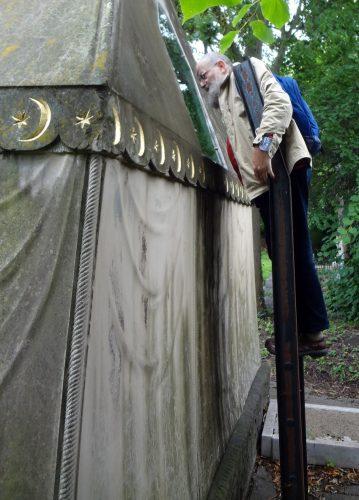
column 9, row 50
column 101, row 60
column 50, row 42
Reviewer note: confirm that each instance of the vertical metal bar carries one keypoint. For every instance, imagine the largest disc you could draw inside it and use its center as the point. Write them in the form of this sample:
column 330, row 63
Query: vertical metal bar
column 304, row 434
column 286, row 338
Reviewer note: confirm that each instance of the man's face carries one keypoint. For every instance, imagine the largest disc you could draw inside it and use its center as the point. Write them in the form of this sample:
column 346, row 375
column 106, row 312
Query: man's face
column 211, row 77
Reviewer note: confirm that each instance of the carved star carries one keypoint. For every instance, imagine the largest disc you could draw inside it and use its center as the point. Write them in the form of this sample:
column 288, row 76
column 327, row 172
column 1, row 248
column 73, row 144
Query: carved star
column 20, row 119
column 156, row 146
column 188, row 163
column 84, row 120
column 173, row 155
column 133, row 135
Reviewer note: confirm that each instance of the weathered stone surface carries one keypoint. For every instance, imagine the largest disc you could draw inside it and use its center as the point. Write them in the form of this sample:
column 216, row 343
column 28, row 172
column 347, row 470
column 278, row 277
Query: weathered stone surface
column 40, row 201
column 55, row 42
column 263, row 486
column 173, row 346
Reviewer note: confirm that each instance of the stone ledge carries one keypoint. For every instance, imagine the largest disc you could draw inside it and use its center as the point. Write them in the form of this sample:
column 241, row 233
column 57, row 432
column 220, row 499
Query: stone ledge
column 233, row 475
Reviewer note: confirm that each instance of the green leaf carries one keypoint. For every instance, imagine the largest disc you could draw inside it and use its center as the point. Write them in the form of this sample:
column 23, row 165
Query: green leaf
column 262, row 32
column 230, row 3
column 191, row 8
column 275, row 11
column 227, row 40
column 241, row 14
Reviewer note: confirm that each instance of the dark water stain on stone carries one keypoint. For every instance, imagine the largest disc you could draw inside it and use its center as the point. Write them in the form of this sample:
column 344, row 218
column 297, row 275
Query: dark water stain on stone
column 143, row 254
column 145, row 309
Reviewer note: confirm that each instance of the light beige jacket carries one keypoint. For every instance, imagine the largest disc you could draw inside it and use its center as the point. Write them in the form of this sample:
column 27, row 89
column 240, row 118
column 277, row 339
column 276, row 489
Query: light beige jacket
column 276, row 119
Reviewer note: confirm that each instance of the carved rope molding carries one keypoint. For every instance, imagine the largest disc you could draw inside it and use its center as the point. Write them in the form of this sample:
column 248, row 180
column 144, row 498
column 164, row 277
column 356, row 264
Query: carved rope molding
column 94, row 120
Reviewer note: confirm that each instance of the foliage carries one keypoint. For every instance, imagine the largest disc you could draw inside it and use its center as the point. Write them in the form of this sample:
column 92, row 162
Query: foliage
column 243, row 11
column 258, row 14
column 341, row 366
column 266, row 264
column 261, row 31
column 213, row 25
column 227, row 40
column 275, row 11
column 324, row 61
column 334, row 374
column 187, row 87
column 343, row 283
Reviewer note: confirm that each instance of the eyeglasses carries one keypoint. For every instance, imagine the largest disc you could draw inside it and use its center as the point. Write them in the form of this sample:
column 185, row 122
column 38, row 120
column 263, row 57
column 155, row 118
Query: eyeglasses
column 203, row 76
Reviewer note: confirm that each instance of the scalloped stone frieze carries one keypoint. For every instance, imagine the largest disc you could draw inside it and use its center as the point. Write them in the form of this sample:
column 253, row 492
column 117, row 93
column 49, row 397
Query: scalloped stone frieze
column 93, row 119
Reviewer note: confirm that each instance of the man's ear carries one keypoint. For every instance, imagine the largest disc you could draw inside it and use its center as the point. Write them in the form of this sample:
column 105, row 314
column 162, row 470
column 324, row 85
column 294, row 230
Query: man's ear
column 222, row 66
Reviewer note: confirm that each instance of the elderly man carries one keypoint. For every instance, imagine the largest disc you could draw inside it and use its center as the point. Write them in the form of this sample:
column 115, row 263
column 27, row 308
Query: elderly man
column 253, row 155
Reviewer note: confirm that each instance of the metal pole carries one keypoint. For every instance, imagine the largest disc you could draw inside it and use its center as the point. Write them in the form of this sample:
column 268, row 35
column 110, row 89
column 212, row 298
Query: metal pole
column 292, row 457
column 304, row 426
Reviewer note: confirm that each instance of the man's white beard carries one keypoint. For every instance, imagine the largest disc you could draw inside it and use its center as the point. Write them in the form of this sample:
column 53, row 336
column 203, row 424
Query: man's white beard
column 215, row 90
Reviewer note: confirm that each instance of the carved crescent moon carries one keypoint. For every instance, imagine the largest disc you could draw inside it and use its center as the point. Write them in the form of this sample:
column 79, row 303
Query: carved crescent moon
column 179, row 158
column 117, row 126
column 192, row 168
column 142, row 138
column 45, row 119
column 227, row 185
column 163, row 151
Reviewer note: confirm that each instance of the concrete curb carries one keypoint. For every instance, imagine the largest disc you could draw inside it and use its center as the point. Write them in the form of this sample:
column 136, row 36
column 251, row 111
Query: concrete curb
column 320, row 451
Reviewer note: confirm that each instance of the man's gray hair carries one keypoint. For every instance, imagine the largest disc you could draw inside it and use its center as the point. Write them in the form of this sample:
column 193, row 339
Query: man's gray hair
column 213, row 57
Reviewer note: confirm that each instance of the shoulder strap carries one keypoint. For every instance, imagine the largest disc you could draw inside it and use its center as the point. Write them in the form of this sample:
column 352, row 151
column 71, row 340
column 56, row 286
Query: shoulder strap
column 248, row 88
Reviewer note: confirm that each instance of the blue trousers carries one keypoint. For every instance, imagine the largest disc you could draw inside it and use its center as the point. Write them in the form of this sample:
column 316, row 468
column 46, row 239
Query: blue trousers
column 311, row 311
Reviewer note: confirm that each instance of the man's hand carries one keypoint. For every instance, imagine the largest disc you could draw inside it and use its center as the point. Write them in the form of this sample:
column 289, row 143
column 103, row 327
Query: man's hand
column 262, row 165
